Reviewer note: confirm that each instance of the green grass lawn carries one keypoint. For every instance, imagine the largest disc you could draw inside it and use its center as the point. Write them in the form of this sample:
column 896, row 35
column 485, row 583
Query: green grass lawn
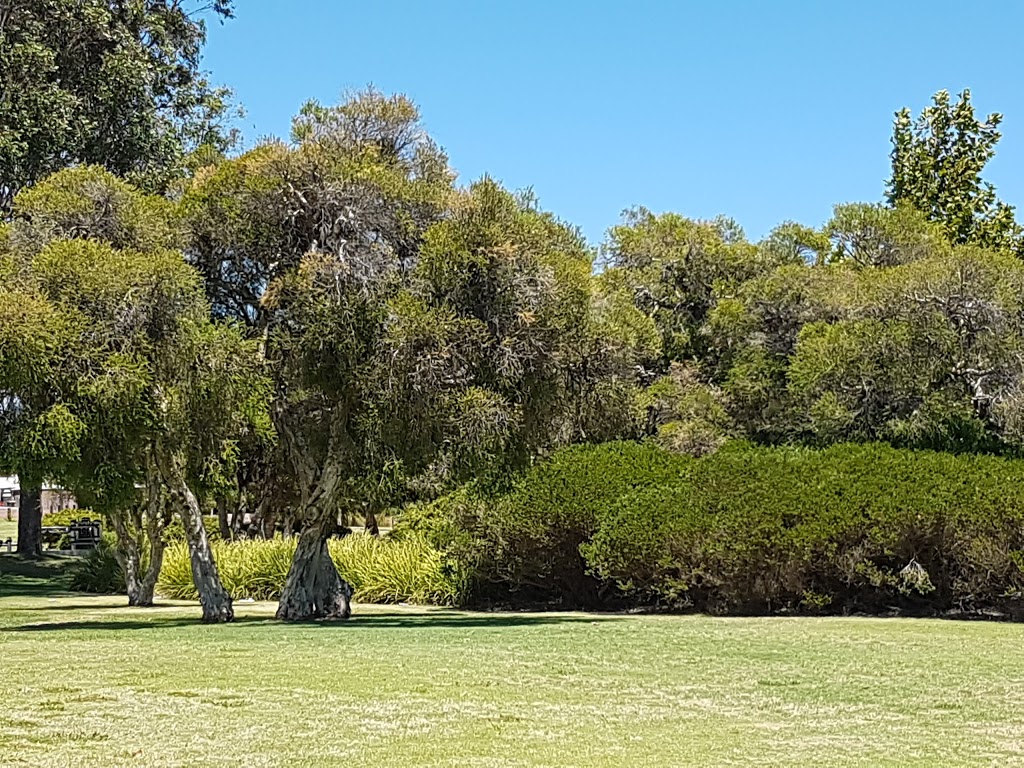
column 8, row 529
column 89, row 682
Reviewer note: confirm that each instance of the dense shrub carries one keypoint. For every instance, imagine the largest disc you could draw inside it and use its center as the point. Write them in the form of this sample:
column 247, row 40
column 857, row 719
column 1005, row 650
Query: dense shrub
column 176, row 532
column 855, row 527
column 68, row 516
column 380, row 570
column 748, row 529
column 527, row 540
column 98, row 571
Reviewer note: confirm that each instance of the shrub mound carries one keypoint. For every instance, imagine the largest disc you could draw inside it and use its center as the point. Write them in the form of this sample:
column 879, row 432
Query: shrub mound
column 98, row 571
column 751, row 530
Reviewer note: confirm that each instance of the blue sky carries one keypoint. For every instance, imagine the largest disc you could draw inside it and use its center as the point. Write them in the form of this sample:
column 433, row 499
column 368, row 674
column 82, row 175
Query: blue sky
column 764, row 111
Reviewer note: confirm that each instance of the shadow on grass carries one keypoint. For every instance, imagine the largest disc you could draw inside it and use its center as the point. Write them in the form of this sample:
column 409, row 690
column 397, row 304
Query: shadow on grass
column 369, row 621
column 48, row 575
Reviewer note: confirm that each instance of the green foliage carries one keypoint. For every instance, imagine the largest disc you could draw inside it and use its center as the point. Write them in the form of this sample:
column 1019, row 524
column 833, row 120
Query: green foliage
column 115, row 84
column 98, row 571
column 850, row 528
column 690, row 415
column 937, row 161
column 527, row 540
column 175, row 531
column 90, row 202
column 380, row 570
column 68, row 516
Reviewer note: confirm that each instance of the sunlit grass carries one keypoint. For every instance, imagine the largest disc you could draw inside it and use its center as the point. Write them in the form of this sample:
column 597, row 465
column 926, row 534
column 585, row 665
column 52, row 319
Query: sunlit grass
column 8, row 529
column 88, row 682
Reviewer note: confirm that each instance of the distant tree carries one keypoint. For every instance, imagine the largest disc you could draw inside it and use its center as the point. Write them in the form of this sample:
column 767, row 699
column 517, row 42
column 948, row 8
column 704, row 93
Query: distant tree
column 937, row 162
column 110, row 82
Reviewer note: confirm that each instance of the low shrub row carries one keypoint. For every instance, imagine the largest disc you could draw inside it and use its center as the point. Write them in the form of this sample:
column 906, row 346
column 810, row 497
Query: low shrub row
column 854, row 527
column 380, row 570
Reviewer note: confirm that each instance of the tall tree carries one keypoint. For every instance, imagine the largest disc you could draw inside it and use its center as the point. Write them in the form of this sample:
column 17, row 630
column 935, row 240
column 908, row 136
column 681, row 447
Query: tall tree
column 937, row 162
column 110, row 82
column 154, row 394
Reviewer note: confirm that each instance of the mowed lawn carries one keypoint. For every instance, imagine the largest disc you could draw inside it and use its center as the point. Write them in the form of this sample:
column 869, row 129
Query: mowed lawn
column 89, row 682
column 8, row 530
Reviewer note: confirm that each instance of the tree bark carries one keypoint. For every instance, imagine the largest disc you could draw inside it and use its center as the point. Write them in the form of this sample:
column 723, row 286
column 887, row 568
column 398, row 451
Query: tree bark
column 222, row 518
column 214, row 599
column 30, row 520
column 140, row 583
column 147, row 584
column 314, row 589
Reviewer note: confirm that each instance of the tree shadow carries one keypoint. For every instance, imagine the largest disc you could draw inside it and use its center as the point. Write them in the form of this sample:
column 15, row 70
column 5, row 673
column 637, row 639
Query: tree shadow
column 44, row 576
column 438, row 620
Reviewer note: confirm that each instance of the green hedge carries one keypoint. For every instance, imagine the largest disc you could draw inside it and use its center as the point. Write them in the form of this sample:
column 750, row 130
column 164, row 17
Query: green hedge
column 527, row 541
column 851, row 528
column 854, row 527
column 380, row 570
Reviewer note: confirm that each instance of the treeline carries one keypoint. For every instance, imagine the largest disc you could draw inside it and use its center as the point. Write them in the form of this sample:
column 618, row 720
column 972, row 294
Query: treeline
column 330, row 326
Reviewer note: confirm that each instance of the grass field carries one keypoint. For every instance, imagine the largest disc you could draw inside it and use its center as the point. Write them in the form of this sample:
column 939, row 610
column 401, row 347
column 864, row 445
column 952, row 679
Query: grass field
column 8, row 529
column 88, row 682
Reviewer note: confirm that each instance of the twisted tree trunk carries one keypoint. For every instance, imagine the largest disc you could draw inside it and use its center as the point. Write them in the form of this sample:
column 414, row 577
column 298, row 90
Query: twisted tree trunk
column 314, row 589
column 140, row 582
column 214, row 599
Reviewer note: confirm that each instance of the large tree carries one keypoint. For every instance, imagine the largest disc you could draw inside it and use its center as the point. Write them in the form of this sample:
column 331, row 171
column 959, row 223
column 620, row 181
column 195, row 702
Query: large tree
column 111, row 82
column 151, row 394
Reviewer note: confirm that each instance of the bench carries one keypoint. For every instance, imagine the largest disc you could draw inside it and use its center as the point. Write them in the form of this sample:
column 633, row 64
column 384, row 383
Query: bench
column 85, row 534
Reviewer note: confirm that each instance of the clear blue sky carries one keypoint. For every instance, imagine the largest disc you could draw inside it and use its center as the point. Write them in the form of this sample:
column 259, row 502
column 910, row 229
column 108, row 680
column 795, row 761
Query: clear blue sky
column 761, row 110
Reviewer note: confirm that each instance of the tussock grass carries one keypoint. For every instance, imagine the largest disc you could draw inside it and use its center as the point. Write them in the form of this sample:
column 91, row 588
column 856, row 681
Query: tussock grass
column 380, row 570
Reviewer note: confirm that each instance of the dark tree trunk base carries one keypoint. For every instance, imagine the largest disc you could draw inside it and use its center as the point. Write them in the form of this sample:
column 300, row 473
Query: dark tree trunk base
column 314, row 590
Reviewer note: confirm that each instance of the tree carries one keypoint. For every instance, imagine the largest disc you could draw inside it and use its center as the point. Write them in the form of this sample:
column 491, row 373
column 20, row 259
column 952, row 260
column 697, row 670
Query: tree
column 155, row 394
column 937, row 162
column 109, row 82
column 38, row 435
column 475, row 354
column 363, row 175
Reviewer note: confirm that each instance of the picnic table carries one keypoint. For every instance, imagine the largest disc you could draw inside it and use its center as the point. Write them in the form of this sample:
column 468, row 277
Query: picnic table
column 83, row 534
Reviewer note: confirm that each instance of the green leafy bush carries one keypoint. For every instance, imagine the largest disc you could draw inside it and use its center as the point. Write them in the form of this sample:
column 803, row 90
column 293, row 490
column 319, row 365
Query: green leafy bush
column 854, row 527
column 68, row 516
column 176, row 531
column 380, row 570
column 527, row 540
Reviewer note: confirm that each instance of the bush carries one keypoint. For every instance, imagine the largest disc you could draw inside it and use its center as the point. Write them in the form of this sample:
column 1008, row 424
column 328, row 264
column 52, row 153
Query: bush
column 855, row 527
column 98, row 571
column 527, row 541
column 380, row 570
column 68, row 516
column 175, row 531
